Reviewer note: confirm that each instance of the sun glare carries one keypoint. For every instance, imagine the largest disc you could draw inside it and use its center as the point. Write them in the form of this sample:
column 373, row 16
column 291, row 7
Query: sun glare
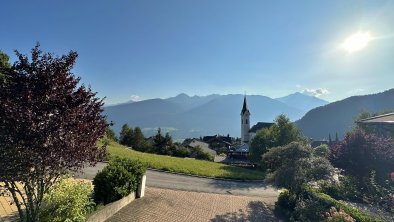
column 356, row 42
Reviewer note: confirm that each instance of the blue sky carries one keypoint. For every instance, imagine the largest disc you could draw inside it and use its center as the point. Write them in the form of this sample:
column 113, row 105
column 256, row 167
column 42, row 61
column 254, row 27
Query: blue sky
column 148, row 49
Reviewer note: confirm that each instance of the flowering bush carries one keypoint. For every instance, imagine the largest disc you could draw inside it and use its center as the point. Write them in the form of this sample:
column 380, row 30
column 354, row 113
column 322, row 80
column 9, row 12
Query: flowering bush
column 69, row 200
column 338, row 216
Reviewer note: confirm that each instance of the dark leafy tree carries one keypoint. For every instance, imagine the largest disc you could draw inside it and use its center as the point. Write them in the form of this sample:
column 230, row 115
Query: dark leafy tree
column 49, row 125
column 360, row 153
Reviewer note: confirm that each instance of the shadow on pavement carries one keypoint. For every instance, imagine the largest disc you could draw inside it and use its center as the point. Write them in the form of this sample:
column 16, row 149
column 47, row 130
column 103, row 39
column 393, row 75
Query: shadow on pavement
column 256, row 212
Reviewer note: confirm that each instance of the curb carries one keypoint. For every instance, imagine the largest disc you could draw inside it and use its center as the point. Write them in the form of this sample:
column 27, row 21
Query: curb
column 205, row 177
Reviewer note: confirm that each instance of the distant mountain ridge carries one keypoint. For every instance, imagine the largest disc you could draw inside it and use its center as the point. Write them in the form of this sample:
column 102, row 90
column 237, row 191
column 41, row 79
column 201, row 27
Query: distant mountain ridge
column 302, row 101
column 193, row 116
column 338, row 117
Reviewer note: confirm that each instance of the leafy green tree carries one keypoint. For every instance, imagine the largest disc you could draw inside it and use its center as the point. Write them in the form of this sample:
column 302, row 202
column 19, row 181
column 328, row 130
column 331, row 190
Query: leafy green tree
column 5, row 66
column 281, row 133
column 126, row 135
column 285, row 131
column 260, row 144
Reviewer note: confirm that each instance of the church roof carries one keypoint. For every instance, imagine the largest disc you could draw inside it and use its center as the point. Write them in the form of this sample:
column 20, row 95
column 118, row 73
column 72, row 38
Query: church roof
column 244, row 107
column 259, row 126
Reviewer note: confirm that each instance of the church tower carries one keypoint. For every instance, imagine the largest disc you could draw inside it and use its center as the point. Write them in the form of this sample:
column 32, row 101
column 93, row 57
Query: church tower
column 245, row 122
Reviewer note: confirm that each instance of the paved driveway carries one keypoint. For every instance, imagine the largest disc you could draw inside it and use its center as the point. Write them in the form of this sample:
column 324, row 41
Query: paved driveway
column 166, row 205
column 189, row 183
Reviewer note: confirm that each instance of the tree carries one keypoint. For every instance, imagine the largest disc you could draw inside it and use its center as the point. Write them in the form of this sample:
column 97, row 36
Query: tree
column 126, row 135
column 293, row 166
column 138, row 140
column 322, row 151
column 4, row 66
column 282, row 132
column 111, row 134
column 360, row 153
column 260, row 144
column 49, row 125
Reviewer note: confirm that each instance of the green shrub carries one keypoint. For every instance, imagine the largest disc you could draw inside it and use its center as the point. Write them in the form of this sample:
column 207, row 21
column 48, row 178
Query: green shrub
column 117, row 180
column 135, row 167
column 353, row 212
column 322, row 151
column 69, row 200
column 312, row 206
column 346, row 189
column 286, row 203
column 310, row 209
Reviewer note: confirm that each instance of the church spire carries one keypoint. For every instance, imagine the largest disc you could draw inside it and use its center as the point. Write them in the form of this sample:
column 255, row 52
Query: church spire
column 245, row 107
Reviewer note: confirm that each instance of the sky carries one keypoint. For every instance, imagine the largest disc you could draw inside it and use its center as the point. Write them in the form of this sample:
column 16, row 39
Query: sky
column 136, row 50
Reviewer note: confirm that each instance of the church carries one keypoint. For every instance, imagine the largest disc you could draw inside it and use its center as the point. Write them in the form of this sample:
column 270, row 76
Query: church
column 247, row 133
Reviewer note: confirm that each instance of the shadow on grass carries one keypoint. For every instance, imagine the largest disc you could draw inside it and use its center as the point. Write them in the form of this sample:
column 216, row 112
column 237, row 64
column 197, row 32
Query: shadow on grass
column 256, row 212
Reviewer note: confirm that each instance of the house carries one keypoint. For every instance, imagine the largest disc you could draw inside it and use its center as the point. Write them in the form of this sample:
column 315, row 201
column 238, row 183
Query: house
column 197, row 143
column 218, row 143
column 381, row 124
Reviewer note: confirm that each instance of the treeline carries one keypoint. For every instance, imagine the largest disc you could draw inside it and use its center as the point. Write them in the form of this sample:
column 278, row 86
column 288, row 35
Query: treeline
column 157, row 144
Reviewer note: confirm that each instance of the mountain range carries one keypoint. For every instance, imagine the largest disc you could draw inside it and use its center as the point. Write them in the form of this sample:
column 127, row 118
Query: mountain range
column 338, row 117
column 186, row 116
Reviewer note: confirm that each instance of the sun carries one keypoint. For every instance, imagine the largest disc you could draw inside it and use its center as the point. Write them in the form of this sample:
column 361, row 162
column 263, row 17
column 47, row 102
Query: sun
column 356, row 42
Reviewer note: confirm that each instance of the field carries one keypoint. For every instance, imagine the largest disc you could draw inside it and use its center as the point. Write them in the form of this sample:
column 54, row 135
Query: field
column 185, row 165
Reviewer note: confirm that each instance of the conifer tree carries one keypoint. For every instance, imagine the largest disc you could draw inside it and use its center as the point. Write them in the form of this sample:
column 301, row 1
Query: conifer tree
column 138, row 139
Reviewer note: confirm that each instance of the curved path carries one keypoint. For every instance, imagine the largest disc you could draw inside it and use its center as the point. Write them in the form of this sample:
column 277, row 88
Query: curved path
column 197, row 184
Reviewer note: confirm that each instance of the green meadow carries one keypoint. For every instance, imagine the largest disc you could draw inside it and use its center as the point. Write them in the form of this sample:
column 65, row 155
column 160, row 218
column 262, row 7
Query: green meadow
column 185, row 165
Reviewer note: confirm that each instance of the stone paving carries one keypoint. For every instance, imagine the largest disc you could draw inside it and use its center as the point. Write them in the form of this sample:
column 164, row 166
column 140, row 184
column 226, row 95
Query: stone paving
column 174, row 205
column 8, row 210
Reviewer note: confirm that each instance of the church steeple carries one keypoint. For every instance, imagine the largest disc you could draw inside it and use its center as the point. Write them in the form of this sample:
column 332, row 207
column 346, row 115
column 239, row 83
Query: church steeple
column 245, row 107
column 245, row 122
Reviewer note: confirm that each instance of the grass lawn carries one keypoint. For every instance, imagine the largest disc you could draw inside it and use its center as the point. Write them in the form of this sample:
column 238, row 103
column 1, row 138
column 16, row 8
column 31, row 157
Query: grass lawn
column 185, row 165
